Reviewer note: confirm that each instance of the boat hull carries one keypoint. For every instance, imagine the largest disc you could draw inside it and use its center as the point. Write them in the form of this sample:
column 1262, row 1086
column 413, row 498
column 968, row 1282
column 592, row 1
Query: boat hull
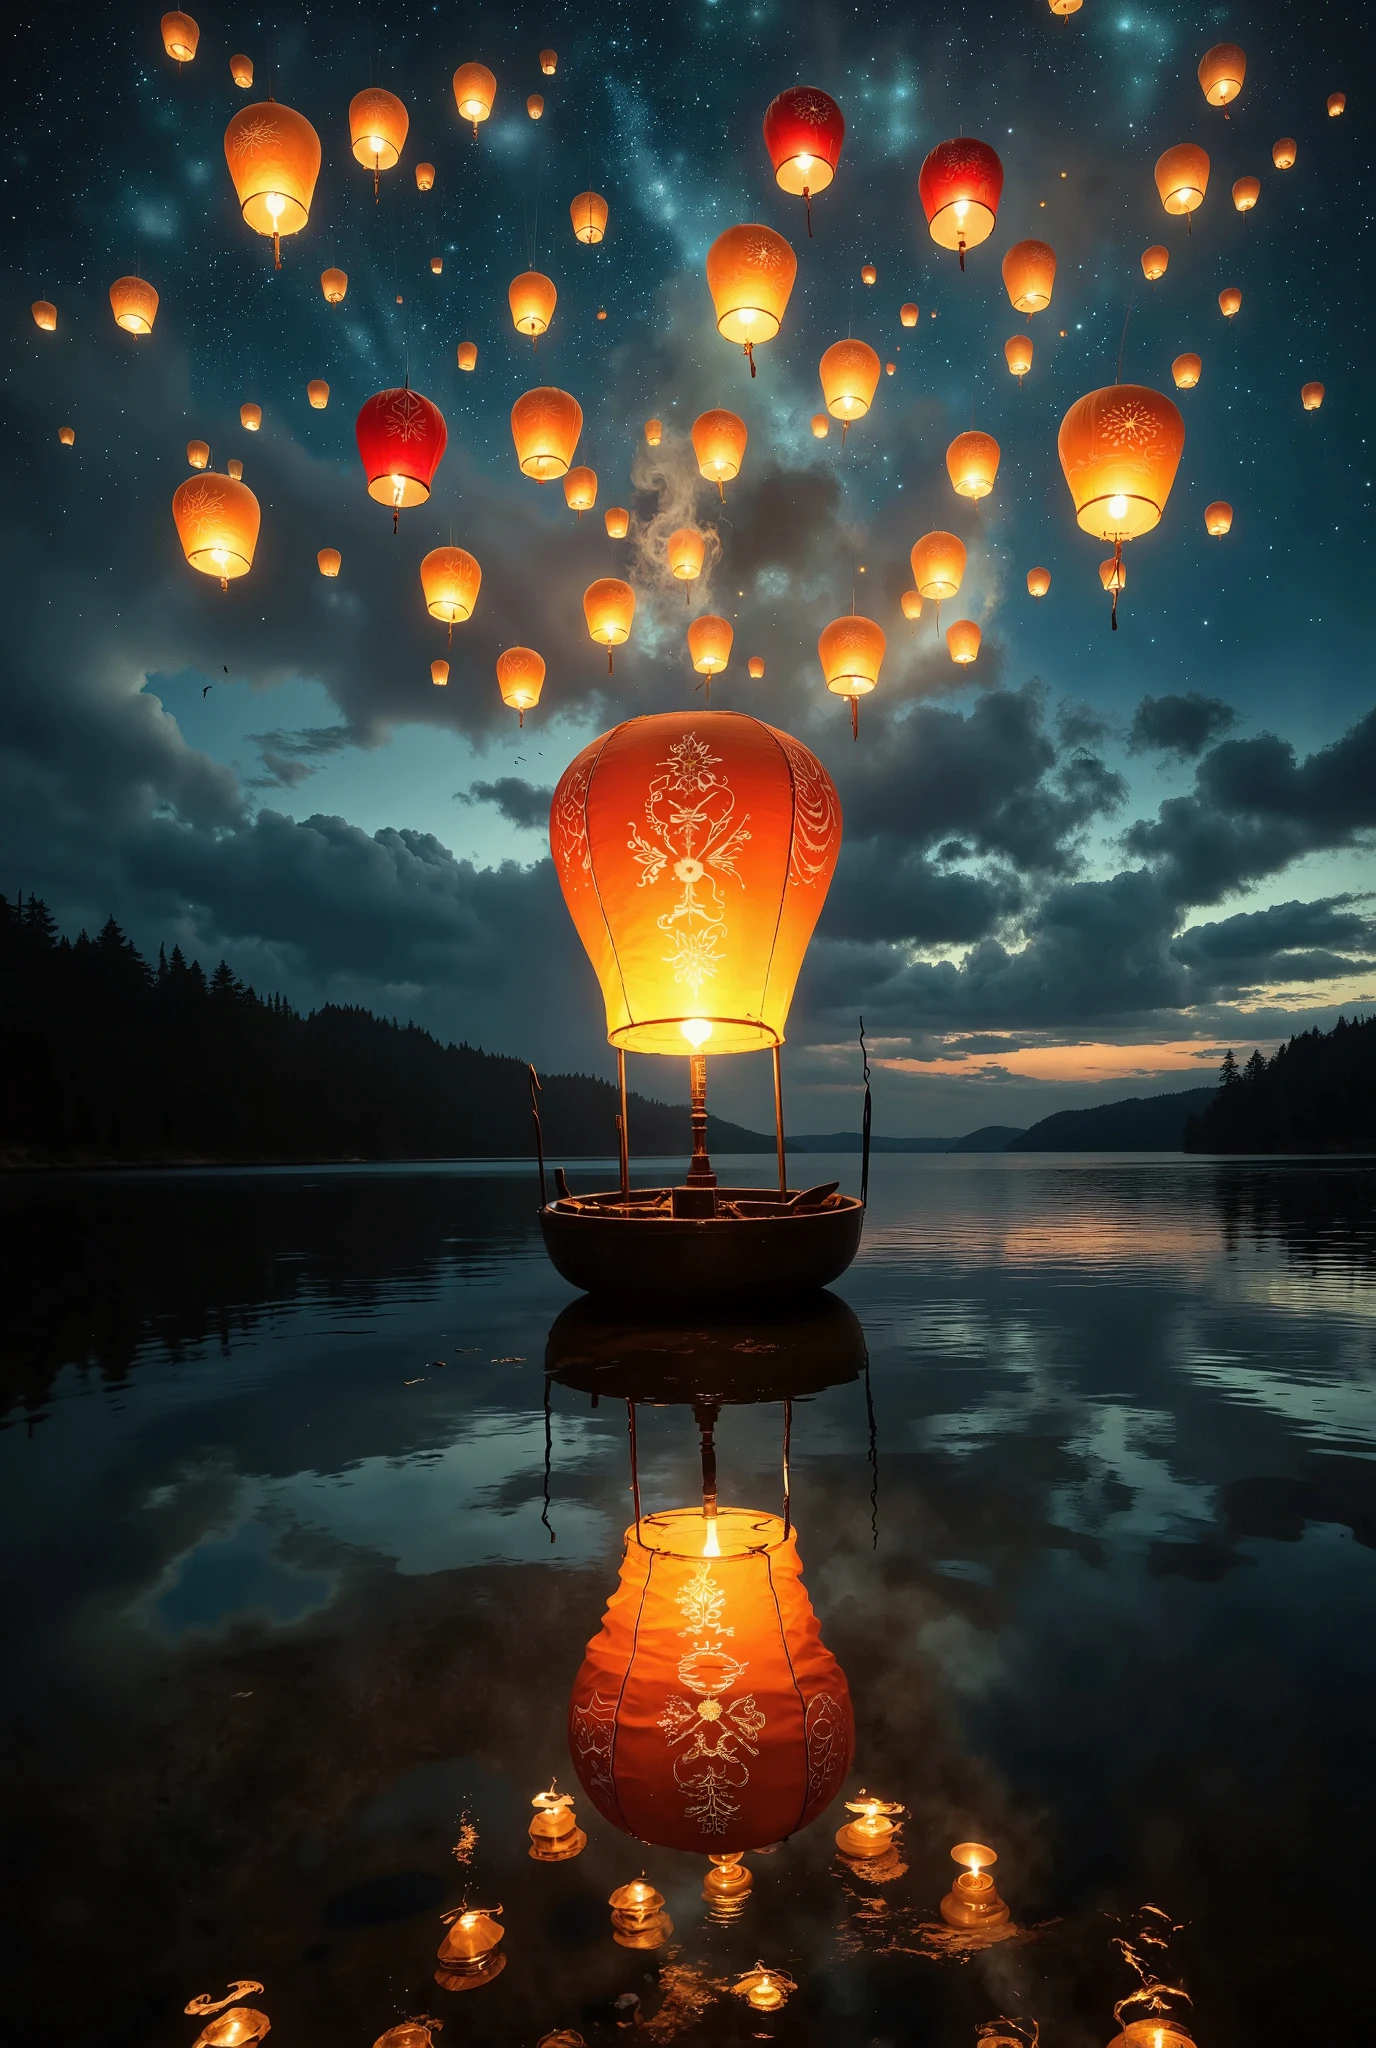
column 679, row 1262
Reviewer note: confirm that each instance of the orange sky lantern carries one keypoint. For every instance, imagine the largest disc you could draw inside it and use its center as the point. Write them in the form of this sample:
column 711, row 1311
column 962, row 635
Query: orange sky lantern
column 907, row 314
column 972, row 463
column 617, row 521
column 1283, row 153
column 180, row 36
column 911, row 604
column 1029, row 274
column 688, row 940
column 475, row 89
column 868, row 274
column 273, row 155
column 67, row 436
column 1038, row 582
column 889, row 369
column 654, row 432
column 401, row 439
column 851, row 651
column 1246, row 192
column 520, row 678
column 1337, row 101
column 535, row 106
column 1187, row 371
column 750, row 273
column 235, row 468
column 439, row 673
column 1230, row 301
column 1120, row 448
column 938, row 565
column 1154, row 261
column 134, row 304
column 686, row 548
column 437, row 264
column 963, row 642
column 241, row 71
column 532, row 298
column 377, row 129
column 609, row 608
column 250, row 417
column 467, row 354
column 217, row 524
column 44, row 315
column 709, row 646
column 1066, row 7
column 318, row 394
column 1182, row 178
column 803, row 132
column 1017, row 353
column 198, row 453
column 450, row 579
column 708, row 1715
column 580, row 490
column 719, row 439
column 1218, row 517
column 588, row 212
column 1311, row 396
column 545, row 425
column 821, row 426
column 425, row 177
column 334, row 284
column 549, row 62
column 849, row 371
column 755, row 666
column 960, row 186
column 1221, row 72
column 328, row 561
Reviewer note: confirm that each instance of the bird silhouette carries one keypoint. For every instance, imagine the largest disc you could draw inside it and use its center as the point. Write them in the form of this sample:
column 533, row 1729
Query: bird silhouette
column 206, row 691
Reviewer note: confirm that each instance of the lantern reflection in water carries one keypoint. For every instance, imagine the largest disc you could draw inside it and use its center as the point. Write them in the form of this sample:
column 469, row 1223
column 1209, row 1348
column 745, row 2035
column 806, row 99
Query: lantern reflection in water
column 765, row 1989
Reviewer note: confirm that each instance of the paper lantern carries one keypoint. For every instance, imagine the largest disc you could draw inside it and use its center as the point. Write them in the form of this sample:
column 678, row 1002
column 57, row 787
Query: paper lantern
column 439, row 673
column 377, row 129
column 250, row 417
column 468, row 355
column 273, row 155
column 531, row 297
column 1017, row 353
column 962, row 642
column 1182, row 178
column 328, row 561
column 67, row 436
column 425, row 177
column 821, row 426
column 849, row 371
column 1230, row 301
column 401, row 437
column 972, row 463
column 318, row 393
column 235, row 468
column 654, row 431
column 545, row 425
column 1283, row 153
column 803, row 132
column 217, row 524
column 960, row 185
column 580, row 490
column 685, row 553
column 938, row 565
column 241, row 71
column 588, row 212
column 535, row 106
column 609, row 608
column 1154, row 261
column 1336, row 102
column 1218, row 517
column 134, row 304
column 851, row 651
column 1187, row 370
column 180, row 36
column 908, row 314
column 334, row 284
column 1066, row 7
column 1246, row 192
column 474, row 91
column 741, row 826
column 911, row 604
column 719, row 439
column 549, row 62
column 1029, row 273
column 436, row 265
column 868, row 274
column 1038, row 582
column 449, row 580
column 889, row 369
column 1221, row 72
column 709, row 644
column 755, row 665
column 44, row 315
column 750, row 273
column 617, row 521
column 1311, row 397
column 1120, row 448
column 520, row 678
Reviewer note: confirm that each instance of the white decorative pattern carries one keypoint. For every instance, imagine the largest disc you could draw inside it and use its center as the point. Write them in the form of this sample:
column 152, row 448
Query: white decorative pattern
column 713, row 1734
column 816, row 814
column 592, row 1738
column 828, row 1747
column 691, row 822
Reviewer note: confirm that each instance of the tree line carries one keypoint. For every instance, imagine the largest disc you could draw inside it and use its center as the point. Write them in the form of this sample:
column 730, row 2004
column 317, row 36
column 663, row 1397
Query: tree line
column 1317, row 1093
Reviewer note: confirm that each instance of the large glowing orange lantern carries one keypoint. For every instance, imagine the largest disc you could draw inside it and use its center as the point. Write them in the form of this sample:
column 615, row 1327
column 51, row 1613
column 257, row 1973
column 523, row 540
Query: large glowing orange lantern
column 273, row 155
column 588, row 212
column 1230, row 301
column 134, row 304
column 545, row 425
column 520, row 678
column 851, row 651
column 938, row 565
column 685, row 553
column 450, row 579
column 1120, row 448
column 44, row 315
column 1246, row 192
column 377, row 129
column 318, row 394
column 1187, row 370
column 750, row 273
column 849, row 371
column 401, row 437
column 708, row 1714
column 531, row 297
column 241, row 71
column 1154, row 262
column 1311, row 396
column 474, row 91
column 1029, row 273
column 709, row 645
column 719, row 439
column 803, row 132
column 1221, row 72
column 617, row 521
column 217, row 524
column 1218, row 517
column 1038, row 582
column 1283, row 153
column 700, row 913
column 580, row 489
column 425, row 177
column 1017, row 353
column 180, row 36
column 972, row 463
column 1182, row 178
column 334, row 284
column 328, row 561
column 962, row 642
column 960, row 186
column 467, row 355
column 609, row 608
column 198, row 453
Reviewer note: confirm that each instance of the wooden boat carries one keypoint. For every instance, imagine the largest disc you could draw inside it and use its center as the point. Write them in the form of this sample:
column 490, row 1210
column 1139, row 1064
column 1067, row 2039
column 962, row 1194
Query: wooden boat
column 791, row 1350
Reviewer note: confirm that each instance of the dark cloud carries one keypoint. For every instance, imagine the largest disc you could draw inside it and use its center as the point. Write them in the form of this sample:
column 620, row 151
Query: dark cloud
column 1183, row 724
column 289, row 757
column 1291, row 942
column 521, row 803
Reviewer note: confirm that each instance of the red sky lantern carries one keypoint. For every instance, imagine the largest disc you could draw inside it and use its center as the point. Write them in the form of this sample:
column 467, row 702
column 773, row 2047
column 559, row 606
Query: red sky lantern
column 960, row 186
column 401, row 437
column 803, row 132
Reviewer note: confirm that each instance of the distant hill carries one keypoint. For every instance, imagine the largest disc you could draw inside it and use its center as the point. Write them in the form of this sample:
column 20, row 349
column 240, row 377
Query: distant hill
column 1316, row 1094
column 988, row 1138
column 851, row 1141
column 1140, row 1123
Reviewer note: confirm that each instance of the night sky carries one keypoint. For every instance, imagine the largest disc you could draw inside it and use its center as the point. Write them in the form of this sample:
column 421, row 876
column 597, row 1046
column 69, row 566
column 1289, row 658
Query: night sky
column 1075, row 872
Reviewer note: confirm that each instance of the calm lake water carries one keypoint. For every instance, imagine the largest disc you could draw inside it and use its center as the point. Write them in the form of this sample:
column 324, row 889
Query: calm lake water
column 295, row 1598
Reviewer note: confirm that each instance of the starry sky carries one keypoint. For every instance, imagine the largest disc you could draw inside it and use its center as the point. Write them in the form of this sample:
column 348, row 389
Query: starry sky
column 1075, row 871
